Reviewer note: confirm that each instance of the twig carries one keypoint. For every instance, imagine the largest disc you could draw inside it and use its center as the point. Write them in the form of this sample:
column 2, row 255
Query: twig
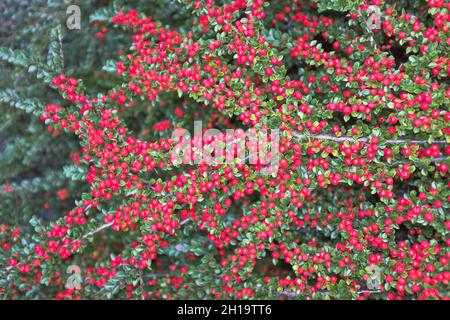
column 155, row 275
column 109, row 224
column 362, row 139
column 368, row 291
column 440, row 158
column 435, row 159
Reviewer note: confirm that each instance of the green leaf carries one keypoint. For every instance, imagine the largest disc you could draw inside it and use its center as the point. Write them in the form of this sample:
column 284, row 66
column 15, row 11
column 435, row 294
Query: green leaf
column 55, row 56
column 16, row 57
column 10, row 97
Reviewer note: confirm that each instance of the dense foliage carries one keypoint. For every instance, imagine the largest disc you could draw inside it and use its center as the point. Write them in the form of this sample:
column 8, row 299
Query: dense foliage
column 357, row 93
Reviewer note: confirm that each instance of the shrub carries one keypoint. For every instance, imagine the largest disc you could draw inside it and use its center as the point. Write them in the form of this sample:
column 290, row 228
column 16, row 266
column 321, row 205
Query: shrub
column 350, row 202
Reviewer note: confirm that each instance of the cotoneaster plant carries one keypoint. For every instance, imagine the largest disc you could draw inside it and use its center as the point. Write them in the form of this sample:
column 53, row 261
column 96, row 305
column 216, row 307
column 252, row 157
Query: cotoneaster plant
column 362, row 182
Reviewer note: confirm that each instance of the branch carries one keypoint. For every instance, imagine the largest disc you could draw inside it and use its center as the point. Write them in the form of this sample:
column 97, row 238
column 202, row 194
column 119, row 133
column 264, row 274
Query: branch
column 293, row 294
column 432, row 160
column 362, row 139
column 107, row 225
column 440, row 158
column 369, row 291
column 155, row 275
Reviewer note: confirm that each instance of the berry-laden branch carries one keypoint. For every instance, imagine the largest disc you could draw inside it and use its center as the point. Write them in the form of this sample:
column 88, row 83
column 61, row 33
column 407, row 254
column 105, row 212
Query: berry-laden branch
column 309, row 226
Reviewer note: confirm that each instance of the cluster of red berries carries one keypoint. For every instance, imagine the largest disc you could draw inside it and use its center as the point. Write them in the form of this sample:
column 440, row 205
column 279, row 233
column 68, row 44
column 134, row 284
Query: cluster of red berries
column 363, row 153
